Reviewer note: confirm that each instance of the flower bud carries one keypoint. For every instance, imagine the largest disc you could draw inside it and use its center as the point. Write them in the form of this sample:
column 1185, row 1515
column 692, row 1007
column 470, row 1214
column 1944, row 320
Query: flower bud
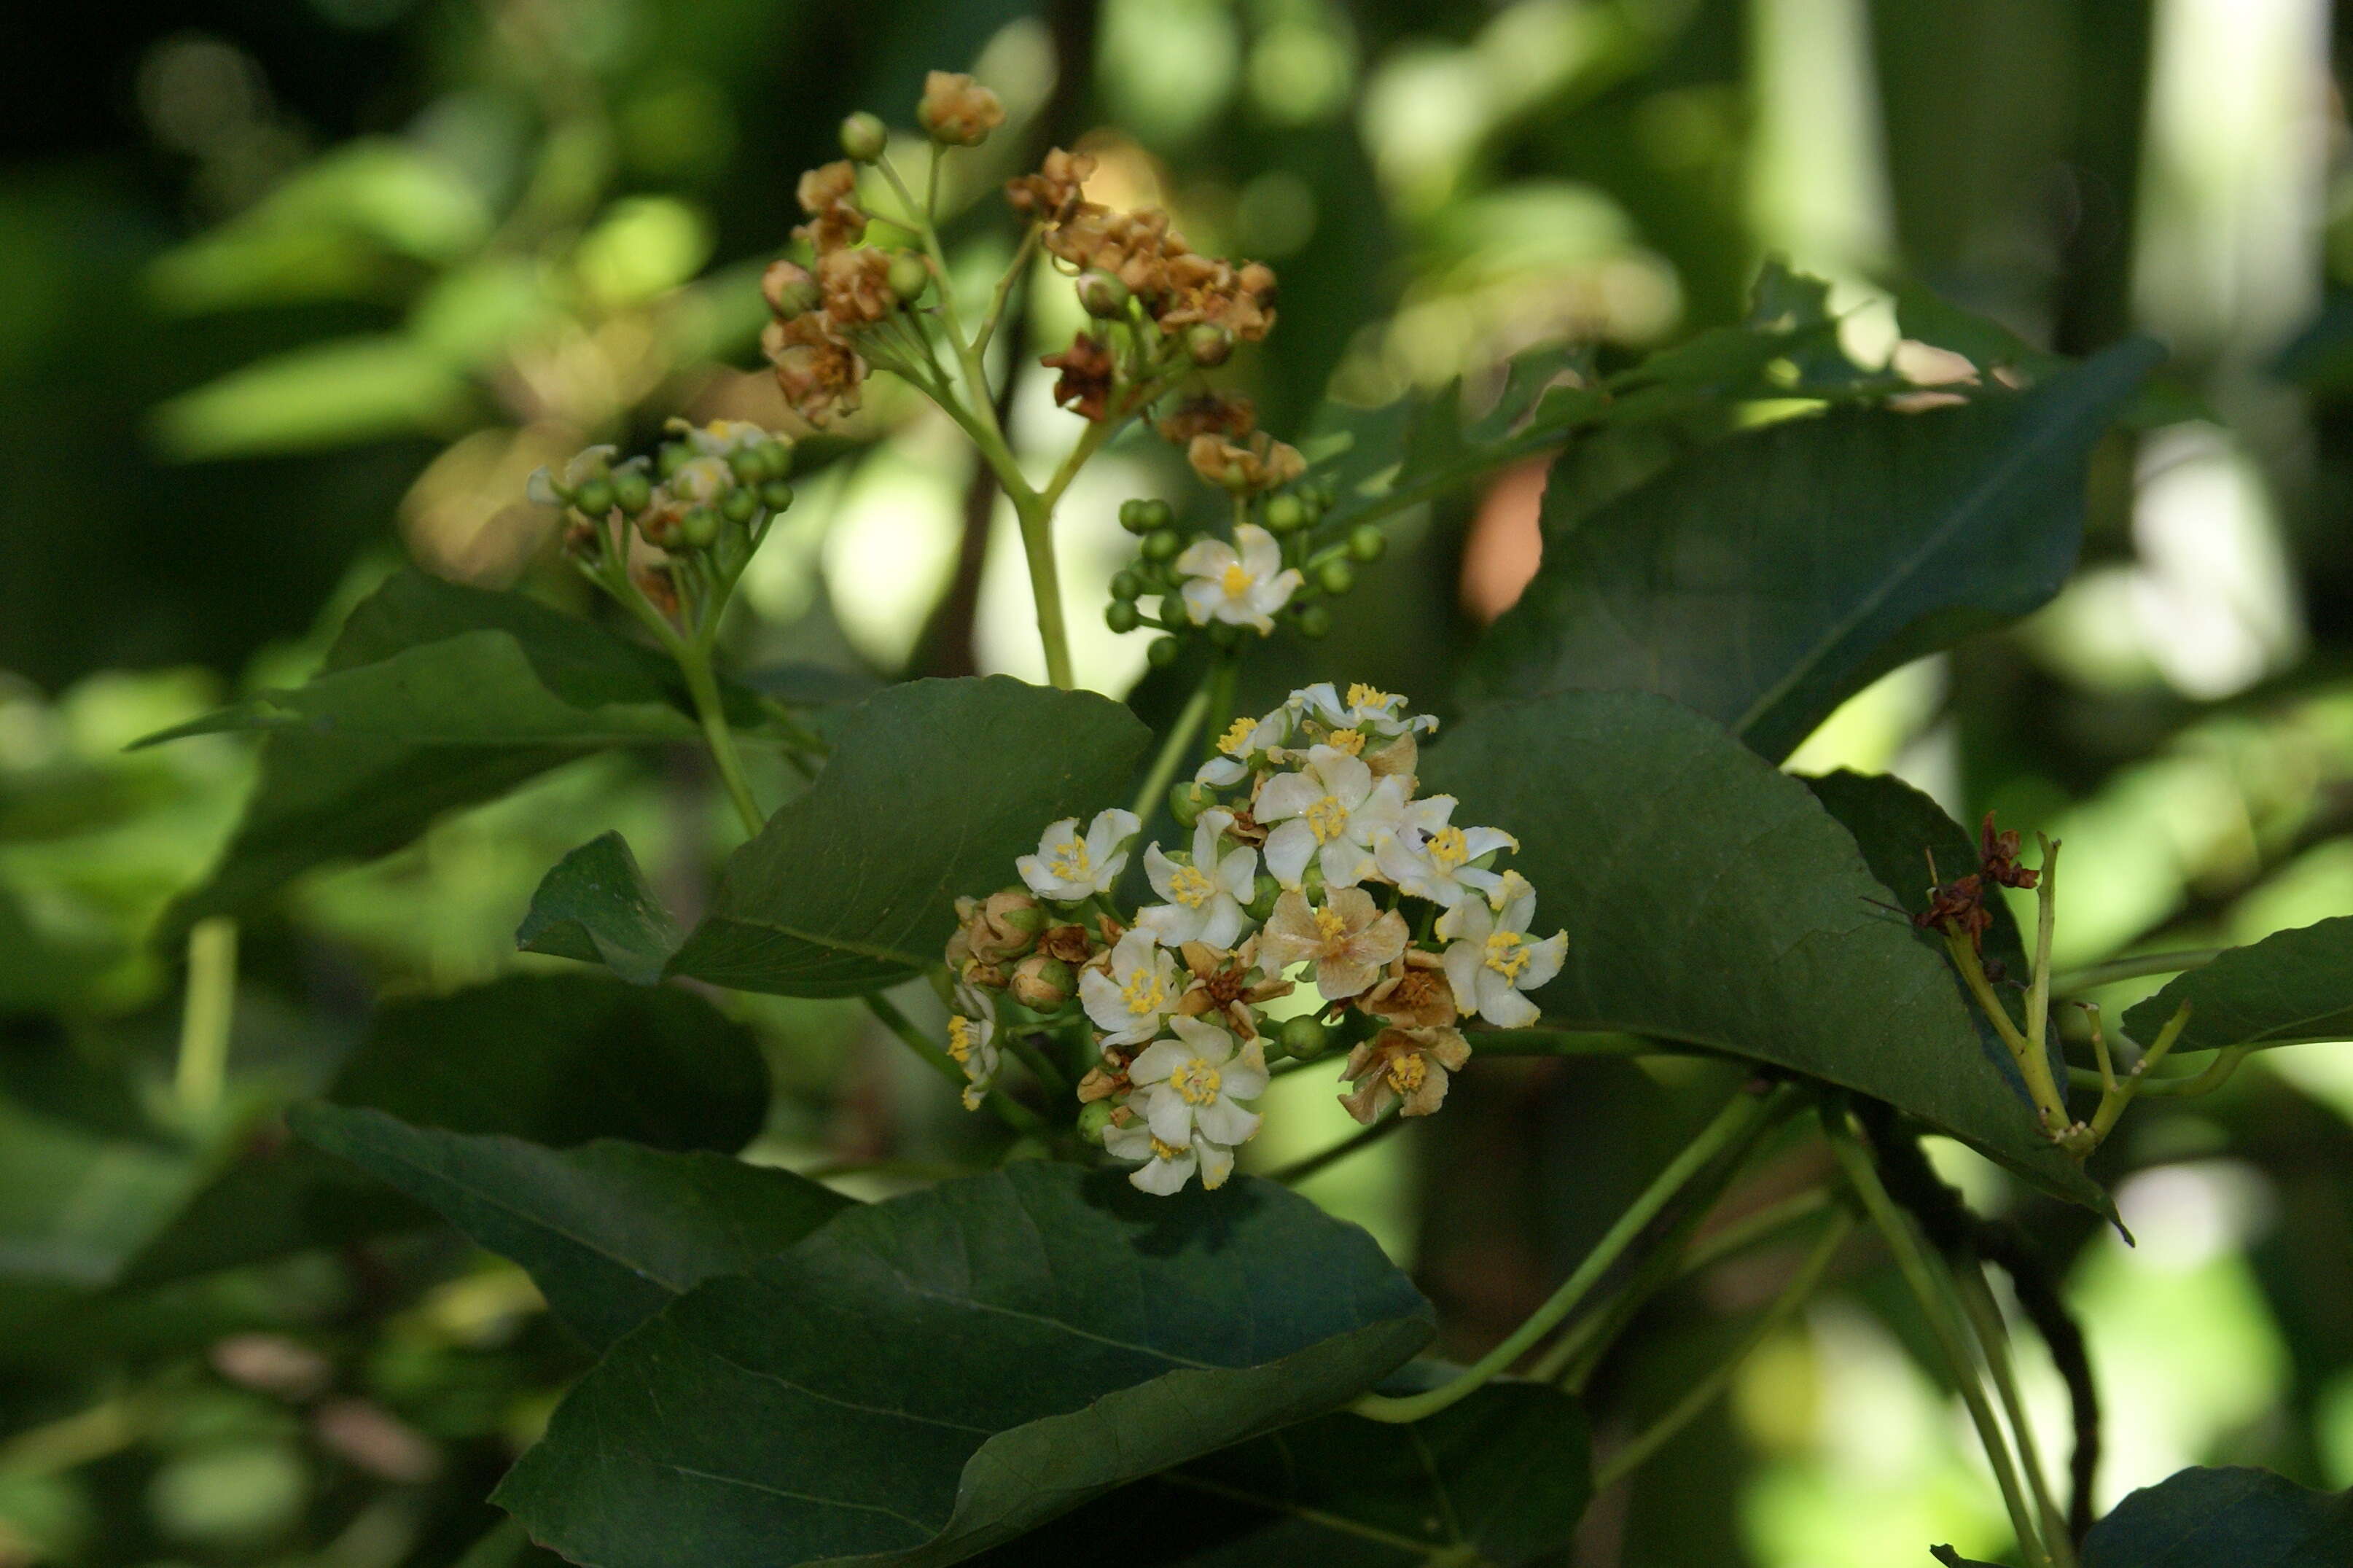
column 1335, row 576
column 987, row 976
column 671, row 457
column 789, row 289
column 909, row 276
column 739, row 505
column 864, row 137
column 1312, row 622
column 1120, row 615
column 1043, row 985
column 1131, row 515
column 1285, row 514
column 595, row 496
column 1161, row 652
column 1000, row 928
column 1173, row 612
column 1263, row 893
column 748, row 464
column 632, row 491
column 1311, row 881
column 1101, row 295
column 775, row 495
column 1186, row 801
column 1093, row 1119
column 699, row 529
column 1208, row 345
column 1158, row 514
column 1304, row 1038
column 1126, row 584
column 1366, row 542
column 1163, row 545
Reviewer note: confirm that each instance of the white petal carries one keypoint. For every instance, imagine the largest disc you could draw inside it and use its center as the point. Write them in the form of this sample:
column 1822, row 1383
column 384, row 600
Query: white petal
column 1204, row 838
column 1246, row 1076
column 1462, row 971
column 541, row 489
column 1221, row 922
column 1156, row 1061
column 1220, row 772
column 1170, row 925
column 1202, row 598
column 1271, row 595
column 1238, row 874
column 1099, row 994
column 1544, row 961
column 1217, row 1163
column 1482, row 841
column 1287, row 795
column 1469, row 920
column 1135, row 951
column 1164, row 1178
column 1348, row 778
column 1223, row 1121
column 1403, row 863
column 1500, row 1005
column 1346, row 864
column 1205, row 1040
column 1324, row 700
column 1160, row 870
column 1133, row 1141
column 1207, row 558
column 1288, row 849
column 1261, row 557
column 1110, row 828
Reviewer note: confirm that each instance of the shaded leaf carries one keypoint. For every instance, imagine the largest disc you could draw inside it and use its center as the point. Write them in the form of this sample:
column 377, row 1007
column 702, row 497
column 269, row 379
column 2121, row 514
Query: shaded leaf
column 933, row 789
column 1708, row 897
column 611, row 1232
column 2224, row 1518
column 322, row 394
column 928, row 1376
column 2291, row 988
column 595, row 907
column 1767, row 578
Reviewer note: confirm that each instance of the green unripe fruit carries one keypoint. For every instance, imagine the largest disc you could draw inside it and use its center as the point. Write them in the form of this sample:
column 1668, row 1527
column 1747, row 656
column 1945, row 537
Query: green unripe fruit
column 632, row 493
column 699, row 529
column 1120, row 615
column 739, row 505
column 1305, row 1038
column 595, row 497
column 909, row 276
column 1126, row 584
column 1101, row 295
column 1367, row 543
column 1336, row 577
column 1312, row 622
column 671, row 457
column 1188, row 801
column 1285, row 514
column 1158, row 514
column 1093, row 1117
column 1263, row 894
column 864, row 137
column 1207, row 345
column 1162, row 652
column 1163, row 545
column 775, row 495
column 1130, row 516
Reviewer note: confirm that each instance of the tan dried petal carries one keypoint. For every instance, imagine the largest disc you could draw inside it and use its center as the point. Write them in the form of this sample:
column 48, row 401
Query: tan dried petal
column 957, row 109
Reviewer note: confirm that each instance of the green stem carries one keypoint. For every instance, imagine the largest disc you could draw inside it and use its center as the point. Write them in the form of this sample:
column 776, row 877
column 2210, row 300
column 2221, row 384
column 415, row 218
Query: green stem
column 1750, row 1229
column 702, row 685
column 202, row 1069
column 1984, row 1316
column 2046, row 911
column 1911, row 1261
column 1737, row 1123
column 2093, row 976
column 1172, row 753
column 1045, row 582
column 2033, row 1061
column 1700, row 1395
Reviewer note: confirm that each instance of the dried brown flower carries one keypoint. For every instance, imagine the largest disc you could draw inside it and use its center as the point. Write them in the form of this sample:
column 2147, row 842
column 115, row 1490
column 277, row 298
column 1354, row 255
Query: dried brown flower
column 1262, row 463
column 1052, row 194
column 1998, row 856
column 819, row 374
column 1410, row 1064
column 1348, row 940
column 1210, row 413
column 958, row 111
column 1084, row 385
column 1414, row 994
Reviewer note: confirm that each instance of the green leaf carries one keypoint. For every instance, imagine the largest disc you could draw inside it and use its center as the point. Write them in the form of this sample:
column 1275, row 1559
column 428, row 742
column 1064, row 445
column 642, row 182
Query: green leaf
column 612, row 1232
column 557, row 1059
column 1767, row 578
column 323, row 394
column 934, row 789
column 595, row 907
column 2291, row 988
column 924, row 1377
column 73, row 1205
column 2224, row 1518
column 1709, row 898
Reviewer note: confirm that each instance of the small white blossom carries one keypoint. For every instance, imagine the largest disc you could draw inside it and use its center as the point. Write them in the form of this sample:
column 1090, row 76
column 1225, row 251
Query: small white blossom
column 1366, row 712
column 1193, row 1083
column 592, row 462
column 1332, row 809
column 972, row 1044
column 1166, row 1167
column 1205, row 898
column 1489, row 958
column 724, row 438
column 700, row 481
column 1244, row 587
column 1068, row 867
column 1142, row 989
column 1431, row 859
column 1245, row 739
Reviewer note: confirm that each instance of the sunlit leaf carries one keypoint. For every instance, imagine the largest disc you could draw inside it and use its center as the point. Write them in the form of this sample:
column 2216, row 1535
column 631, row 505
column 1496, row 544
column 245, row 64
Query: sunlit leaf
column 2290, row 988
column 325, row 394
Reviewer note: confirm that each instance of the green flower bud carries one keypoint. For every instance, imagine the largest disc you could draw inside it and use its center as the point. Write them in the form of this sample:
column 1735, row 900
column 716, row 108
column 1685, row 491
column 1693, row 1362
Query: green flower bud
column 1126, row 584
column 1263, row 896
column 864, row 137
column 1163, row 545
column 1158, row 514
column 595, row 497
column 699, row 529
column 775, row 495
column 748, row 464
column 1161, row 652
column 1092, row 1119
column 1305, row 1038
column 671, row 457
column 632, row 493
column 1367, row 543
column 1311, row 498
column 739, row 505
column 1208, row 345
column 1311, row 881
column 1101, row 295
column 1285, row 514
column 1312, row 622
column 1120, row 615
column 1335, row 576
column 1042, row 984
column 909, row 276
column 1130, row 516
column 1173, row 612
column 1186, row 801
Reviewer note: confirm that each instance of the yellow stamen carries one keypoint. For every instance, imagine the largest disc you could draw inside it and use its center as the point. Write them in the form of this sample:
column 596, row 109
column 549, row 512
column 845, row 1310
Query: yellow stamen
column 1327, row 819
column 1507, row 954
column 1407, row 1072
column 1448, row 849
column 1191, row 887
column 1144, row 992
column 1329, row 926
column 960, row 1038
column 1361, row 697
column 1197, row 1082
column 1071, row 862
column 1165, row 1150
column 1349, row 740
column 1236, row 741
column 1236, row 582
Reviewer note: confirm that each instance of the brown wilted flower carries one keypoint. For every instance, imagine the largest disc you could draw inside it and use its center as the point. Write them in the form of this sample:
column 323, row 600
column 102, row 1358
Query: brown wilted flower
column 1409, row 1064
column 1262, row 463
column 788, row 289
column 827, row 186
column 1414, row 994
column 1957, row 905
column 819, row 374
column 958, row 111
column 1004, row 925
column 1084, row 385
column 857, row 286
column 1133, row 246
column 1210, row 413
column 1998, row 856
column 1349, row 940
column 1230, row 984
column 1206, row 291
column 828, row 194
column 1067, row 943
column 654, row 581
column 1052, row 194
column 1100, row 1083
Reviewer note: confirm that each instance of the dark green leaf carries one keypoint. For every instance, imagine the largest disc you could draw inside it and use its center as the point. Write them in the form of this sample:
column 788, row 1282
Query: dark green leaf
column 612, row 1232
column 558, row 1059
column 933, row 790
column 2225, row 1519
column 1767, row 579
column 1952, row 1559
column 1709, row 898
column 595, row 907
column 923, row 1378
column 2290, row 988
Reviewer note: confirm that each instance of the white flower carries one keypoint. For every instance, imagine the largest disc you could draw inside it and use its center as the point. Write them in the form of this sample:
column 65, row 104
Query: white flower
column 1205, row 898
column 1069, row 868
column 1366, row 712
column 1332, row 807
column 1430, row 860
column 1192, row 1083
column 972, row 1044
column 724, row 438
column 1490, row 959
column 700, row 481
column 1243, row 588
column 590, row 463
column 1166, row 1167
column 1141, row 990
column 1237, row 745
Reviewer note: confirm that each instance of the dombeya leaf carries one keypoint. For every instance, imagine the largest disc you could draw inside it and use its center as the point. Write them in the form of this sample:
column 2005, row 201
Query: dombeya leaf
column 595, row 907
column 2224, row 1518
column 2292, row 987
column 1708, row 897
column 933, row 790
column 924, row 1377
column 1766, row 579
column 612, row 1232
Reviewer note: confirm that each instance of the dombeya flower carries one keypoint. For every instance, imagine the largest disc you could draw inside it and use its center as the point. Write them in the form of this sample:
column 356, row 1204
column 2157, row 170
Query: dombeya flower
column 1205, row 898
column 1430, row 860
column 1166, row 1167
column 1068, row 869
column 1491, row 959
column 1129, row 1003
column 1332, row 809
column 1192, row 1083
column 1349, row 940
column 1243, row 587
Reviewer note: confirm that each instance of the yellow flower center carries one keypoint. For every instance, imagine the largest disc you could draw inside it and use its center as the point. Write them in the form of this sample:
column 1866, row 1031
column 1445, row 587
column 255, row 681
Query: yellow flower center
column 1406, row 1073
column 1361, row 697
column 1448, row 849
column 1197, row 1082
column 1236, row 741
column 1349, row 740
column 1327, row 819
column 1165, row 1150
column 1507, row 954
column 1236, row 581
column 1191, row 887
column 1071, row 862
column 960, row 1038
column 1144, row 992
column 1329, row 926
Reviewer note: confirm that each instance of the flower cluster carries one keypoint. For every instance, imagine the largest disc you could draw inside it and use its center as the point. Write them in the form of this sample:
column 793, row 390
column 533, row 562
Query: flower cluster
column 1312, row 866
